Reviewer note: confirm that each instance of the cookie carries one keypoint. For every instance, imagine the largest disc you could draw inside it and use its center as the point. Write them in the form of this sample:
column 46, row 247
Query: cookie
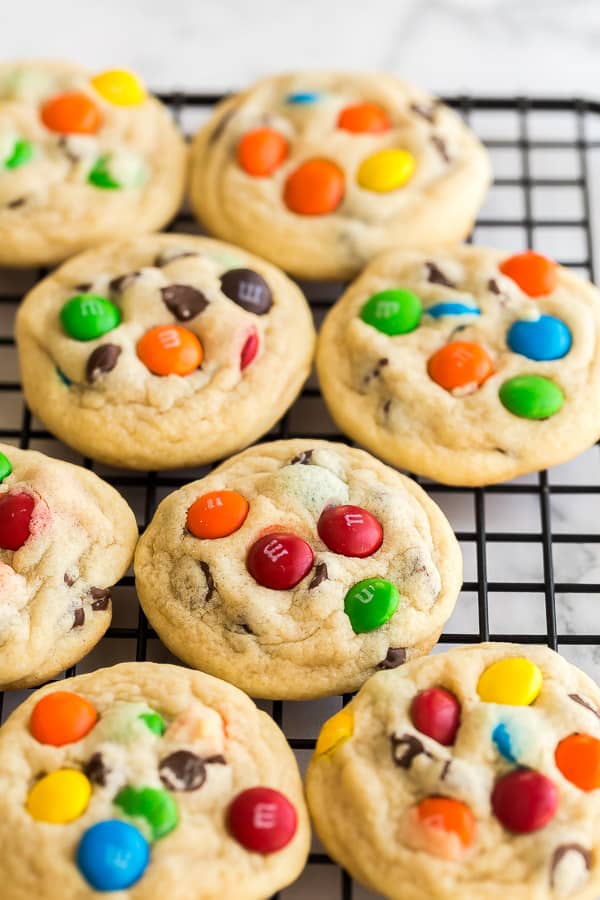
column 472, row 774
column 82, row 160
column 297, row 569
column 152, row 781
column 65, row 538
column 319, row 171
column 163, row 351
column 466, row 365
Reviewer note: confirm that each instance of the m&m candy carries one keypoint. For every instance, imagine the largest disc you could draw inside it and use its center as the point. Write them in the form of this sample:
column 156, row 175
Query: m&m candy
column 16, row 510
column 154, row 805
column 119, row 87
column 62, row 718
column 436, row 713
column 302, row 98
column 335, row 731
column 248, row 289
column 350, row 530
column 154, row 722
column 59, row 797
column 217, row 514
column 249, row 350
column 524, row 801
column 5, row 467
column 577, row 758
column 261, row 151
column 121, row 168
column 19, row 152
column 86, row 317
column 531, row 396
column 542, row 339
column 112, row 855
column 460, row 364
column 535, row 274
column 279, row 560
column 515, row 681
column 394, row 311
column 364, row 118
column 370, row 604
column 452, row 308
column 262, row 820
column 71, row 113
column 170, row 350
column 315, row 188
column 386, row 170
column 443, row 827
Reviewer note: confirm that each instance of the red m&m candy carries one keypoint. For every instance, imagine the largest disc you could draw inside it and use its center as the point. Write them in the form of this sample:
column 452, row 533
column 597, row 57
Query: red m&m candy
column 436, row 713
column 62, row 717
column 279, row 560
column 15, row 515
column 249, row 350
column 524, row 801
column 350, row 530
column 262, row 819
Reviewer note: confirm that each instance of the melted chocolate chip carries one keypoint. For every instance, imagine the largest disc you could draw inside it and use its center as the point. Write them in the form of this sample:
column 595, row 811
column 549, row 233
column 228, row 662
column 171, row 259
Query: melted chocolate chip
column 436, row 276
column 221, row 125
column 101, row 598
column 445, row 769
column 96, row 769
column 303, row 458
column 78, row 618
column 562, row 851
column 102, row 360
column 248, row 289
column 210, row 584
column 83, row 287
column 68, row 579
column 396, row 656
column 320, row 575
column 17, row 202
column 183, row 301
column 386, row 407
column 405, row 748
column 384, row 361
column 426, row 112
column 182, row 771
column 441, row 147
column 169, row 255
column 493, row 286
column 585, row 703
column 122, row 282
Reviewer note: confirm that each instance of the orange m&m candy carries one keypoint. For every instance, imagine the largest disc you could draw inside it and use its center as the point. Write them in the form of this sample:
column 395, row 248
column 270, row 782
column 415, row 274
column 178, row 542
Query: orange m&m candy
column 535, row 274
column 444, row 827
column 72, row 113
column 217, row 514
column 460, row 363
column 364, row 118
column 261, row 151
column 170, row 350
column 62, row 718
column 315, row 188
column 578, row 759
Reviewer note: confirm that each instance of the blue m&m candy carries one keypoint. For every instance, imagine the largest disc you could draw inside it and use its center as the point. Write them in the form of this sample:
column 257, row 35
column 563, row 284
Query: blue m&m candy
column 301, row 97
column 541, row 339
column 452, row 308
column 112, row 855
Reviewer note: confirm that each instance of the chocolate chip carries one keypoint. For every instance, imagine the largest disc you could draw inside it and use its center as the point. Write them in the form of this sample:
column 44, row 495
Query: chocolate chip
column 320, row 575
column 78, row 618
column 585, row 703
column 445, row 769
column 386, row 407
column 500, row 450
column 218, row 759
column 96, row 769
column 384, row 361
column 170, row 254
column 396, row 656
column 221, row 125
column 405, row 748
column 83, row 287
column 493, row 286
column 436, row 276
column 103, row 359
column 101, row 598
column 248, row 289
column 303, row 458
column 182, row 771
column 68, row 579
column 426, row 112
column 17, row 202
column 210, row 584
column 183, row 301
column 562, row 851
column 441, row 146
column 122, row 282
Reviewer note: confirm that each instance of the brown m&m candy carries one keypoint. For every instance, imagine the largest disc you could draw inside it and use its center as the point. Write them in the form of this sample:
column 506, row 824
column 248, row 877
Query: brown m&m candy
column 248, row 289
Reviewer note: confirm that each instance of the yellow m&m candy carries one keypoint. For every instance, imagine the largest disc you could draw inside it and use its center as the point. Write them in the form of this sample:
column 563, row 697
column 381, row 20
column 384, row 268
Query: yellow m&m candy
column 120, row 87
column 335, row 731
column 386, row 170
column 515, row 682
column 59, row 797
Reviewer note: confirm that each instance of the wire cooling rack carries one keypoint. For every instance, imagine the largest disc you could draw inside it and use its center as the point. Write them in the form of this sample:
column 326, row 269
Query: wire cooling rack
column 532, row 561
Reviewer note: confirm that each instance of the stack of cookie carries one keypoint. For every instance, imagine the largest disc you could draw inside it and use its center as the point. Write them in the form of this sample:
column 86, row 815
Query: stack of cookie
column 296, row 569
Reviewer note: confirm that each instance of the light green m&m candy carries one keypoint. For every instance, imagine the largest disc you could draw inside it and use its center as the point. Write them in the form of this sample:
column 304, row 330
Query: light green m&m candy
column 88, row 316
column 396, row 311
column 155, row 807
column 531, row 396
column 371, row 603
column 5, row 467
column 154, row 722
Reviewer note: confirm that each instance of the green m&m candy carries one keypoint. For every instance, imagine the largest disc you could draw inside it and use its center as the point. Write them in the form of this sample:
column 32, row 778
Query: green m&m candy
column 5, row 467
column 88, row 316
column 154, row 722
column 22, row 153
column 119, row 169
column 395, row 311
column 531, row 396
column 155, row 806
column 370, row 603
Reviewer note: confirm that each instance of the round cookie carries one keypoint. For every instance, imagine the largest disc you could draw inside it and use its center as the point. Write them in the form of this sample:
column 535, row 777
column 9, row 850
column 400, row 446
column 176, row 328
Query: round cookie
column 150, row 780
column 83, row 160
column 473, row 773
column 65, row 538
column 297, row 569
column 320, row 171
column 466, row 365
column 163, row 351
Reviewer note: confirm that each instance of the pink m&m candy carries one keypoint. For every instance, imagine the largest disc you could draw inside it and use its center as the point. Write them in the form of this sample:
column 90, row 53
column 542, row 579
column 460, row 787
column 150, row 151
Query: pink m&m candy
column 15, row 516
column 262, row 819
column 524, row 801
column 350, row 530
column 436, row 713
column 279, row 560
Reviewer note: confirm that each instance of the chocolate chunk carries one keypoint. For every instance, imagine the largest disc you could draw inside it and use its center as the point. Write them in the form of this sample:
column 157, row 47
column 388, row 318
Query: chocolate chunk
column 436, row 276
column 445, row 769
column 182, row 771
column 493, row 286
column 585, row 703
column 17, row 202
column 440, row 145
column 426, row 112
column 103, row 359
column 396, row 656
column 405, row 748
column 221, row 125
column 320, row 575
column 78, row 617
column 386, row 407
column 559, row 855
column 68, row 579
column 303, row 458
column 248, row 289
column 101, row 598
column 83, row 287
column 96, row 769
column 210, row 584
column 183, row 301
column 122, row 282
column 170, row 254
